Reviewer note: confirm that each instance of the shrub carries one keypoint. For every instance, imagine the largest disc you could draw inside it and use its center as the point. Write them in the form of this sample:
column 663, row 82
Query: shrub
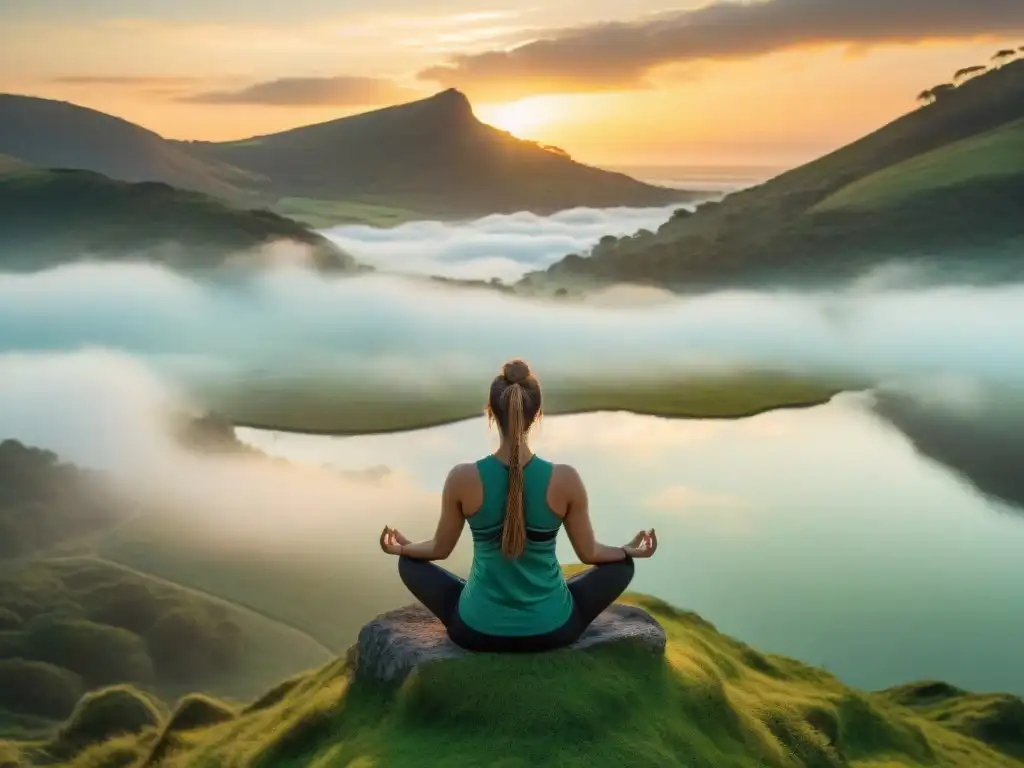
column 198, row 711
column 104, row 714
column 127, row 605
column 11, row 644
column 101, row 655
column 189, row 644
column 35, row 688
column 9, row 620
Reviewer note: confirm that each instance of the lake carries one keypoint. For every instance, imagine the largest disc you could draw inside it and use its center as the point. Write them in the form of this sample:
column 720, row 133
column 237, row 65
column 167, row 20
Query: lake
column 819, row 533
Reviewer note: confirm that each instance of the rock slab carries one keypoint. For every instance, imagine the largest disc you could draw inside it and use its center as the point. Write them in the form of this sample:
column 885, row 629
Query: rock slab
column 391, row 646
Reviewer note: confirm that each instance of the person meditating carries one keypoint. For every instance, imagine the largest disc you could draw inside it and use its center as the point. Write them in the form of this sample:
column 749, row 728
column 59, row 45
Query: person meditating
column 516, row 598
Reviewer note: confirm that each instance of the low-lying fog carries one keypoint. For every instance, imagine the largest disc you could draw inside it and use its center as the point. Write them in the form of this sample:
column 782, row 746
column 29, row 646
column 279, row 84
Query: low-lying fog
column 93, row 356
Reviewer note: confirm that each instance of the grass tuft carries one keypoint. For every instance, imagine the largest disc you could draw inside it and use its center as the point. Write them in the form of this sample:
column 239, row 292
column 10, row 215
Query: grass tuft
column 103, row 715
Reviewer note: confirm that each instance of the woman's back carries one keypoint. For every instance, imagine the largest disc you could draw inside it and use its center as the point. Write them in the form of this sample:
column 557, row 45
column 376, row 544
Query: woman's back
column 516, row 598
column 526, row 595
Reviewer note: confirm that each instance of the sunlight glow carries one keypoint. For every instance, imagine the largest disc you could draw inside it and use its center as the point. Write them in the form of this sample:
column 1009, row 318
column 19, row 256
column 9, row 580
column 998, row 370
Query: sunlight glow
column 523, row 117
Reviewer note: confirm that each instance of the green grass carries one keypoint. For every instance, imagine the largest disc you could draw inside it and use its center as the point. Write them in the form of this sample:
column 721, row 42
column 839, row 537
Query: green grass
column 334, row 408
column 329, row 213
column 996, row 153
column 711, row 701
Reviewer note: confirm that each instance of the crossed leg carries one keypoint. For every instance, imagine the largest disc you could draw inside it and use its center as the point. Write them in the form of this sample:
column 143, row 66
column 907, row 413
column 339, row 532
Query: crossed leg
column 593, row 590
column 432, row 585
column 596, row 588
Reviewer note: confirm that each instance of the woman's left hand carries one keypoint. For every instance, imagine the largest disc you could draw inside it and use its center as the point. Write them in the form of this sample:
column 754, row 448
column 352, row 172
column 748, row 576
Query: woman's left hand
column 392, row 541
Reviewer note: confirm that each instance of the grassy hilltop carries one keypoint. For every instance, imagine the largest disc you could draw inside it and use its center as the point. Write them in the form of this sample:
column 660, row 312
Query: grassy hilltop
column 51, row 217
column 711, row 701
column 945, row 182
column 97, row 659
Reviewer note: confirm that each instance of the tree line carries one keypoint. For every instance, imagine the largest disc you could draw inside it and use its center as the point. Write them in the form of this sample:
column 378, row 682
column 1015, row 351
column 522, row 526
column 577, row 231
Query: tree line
column 961, row 76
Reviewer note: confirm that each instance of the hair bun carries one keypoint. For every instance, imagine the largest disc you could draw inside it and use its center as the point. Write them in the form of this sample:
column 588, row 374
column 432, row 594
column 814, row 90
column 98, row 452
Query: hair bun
column 516, row 371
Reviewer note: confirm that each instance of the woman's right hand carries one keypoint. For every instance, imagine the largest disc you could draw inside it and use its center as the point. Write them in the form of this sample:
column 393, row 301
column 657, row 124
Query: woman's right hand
column 644, row 544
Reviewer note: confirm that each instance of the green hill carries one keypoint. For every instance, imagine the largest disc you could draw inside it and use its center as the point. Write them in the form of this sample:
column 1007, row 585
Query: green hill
column 71, row 625
column 944, row 182
column 711, row 702
column 50, row 217
column 991, row 155
column 71, row 622
column 428, row 158
column 56, row 134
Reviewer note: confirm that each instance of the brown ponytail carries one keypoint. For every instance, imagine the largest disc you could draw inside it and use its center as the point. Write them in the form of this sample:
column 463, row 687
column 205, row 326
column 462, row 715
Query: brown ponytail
column 513, row 535
column 514, row 403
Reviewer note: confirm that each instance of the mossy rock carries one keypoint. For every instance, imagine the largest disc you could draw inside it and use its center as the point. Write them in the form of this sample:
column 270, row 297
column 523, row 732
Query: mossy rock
column 400, row 642
column 106, row 714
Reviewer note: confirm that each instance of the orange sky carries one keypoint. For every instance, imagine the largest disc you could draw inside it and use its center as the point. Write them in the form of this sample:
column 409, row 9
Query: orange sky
column 774, row 99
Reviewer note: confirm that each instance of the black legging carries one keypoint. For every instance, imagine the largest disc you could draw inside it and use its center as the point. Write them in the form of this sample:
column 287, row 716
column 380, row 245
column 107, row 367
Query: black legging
column 592, row 591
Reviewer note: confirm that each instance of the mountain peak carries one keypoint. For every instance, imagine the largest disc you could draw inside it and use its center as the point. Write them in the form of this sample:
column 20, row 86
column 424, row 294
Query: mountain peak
column 453, row 103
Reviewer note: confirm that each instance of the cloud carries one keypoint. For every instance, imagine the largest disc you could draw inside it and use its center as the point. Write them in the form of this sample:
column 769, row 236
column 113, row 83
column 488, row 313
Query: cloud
column 504, row 246
column 387, row 329
column 142, row 81
column 108, row 411
column 619, row 55
column 146, row 336
column 340, row 91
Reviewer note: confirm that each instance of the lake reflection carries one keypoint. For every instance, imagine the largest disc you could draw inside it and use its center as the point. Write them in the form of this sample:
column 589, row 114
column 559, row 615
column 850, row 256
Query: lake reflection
column 819, row 533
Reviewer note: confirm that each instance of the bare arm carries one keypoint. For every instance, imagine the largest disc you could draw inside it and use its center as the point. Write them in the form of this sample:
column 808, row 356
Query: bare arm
column 449, row 526
column 579, row 528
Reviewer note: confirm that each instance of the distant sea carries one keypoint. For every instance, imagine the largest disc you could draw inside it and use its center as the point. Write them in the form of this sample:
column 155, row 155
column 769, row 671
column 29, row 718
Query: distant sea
column 718, row 178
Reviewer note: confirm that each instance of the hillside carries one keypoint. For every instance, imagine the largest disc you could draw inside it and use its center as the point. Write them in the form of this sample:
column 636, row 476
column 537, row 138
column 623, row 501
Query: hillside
column 944, row 181
column 71, row 622
column 432, row 156
column 9, row 164
column 711, row 702
column 50, row 217
column 428, row 158
column 56, row 134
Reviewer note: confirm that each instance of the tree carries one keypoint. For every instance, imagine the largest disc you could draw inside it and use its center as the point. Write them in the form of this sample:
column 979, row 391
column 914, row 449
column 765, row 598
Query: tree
column 940, row 91
column 967, row 72
column 1003, row 55
column 926, row 97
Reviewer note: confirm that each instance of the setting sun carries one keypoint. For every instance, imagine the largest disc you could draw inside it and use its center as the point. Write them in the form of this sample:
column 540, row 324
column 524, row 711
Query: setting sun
column 521, row 118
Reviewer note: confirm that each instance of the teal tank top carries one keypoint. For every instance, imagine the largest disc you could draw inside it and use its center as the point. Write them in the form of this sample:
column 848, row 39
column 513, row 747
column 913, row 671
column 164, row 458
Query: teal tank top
column 525, row 595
